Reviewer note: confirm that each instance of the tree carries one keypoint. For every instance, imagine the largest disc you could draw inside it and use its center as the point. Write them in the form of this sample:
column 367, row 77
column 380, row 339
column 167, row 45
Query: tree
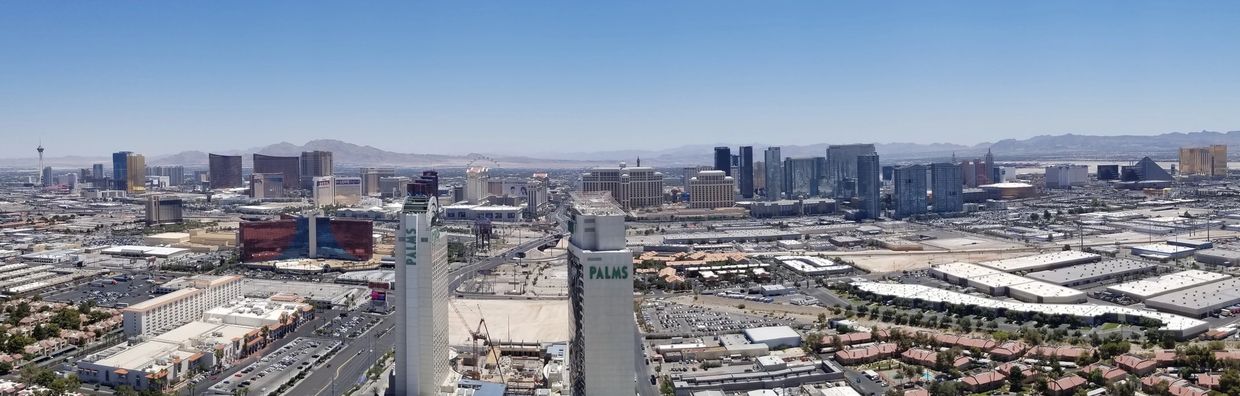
column 949, row 388
column 6, row 368
column 665, row 387
column 1229, row 382
column 812, row 342
column 68, row 318
column 1015, row 378
column 125, row 390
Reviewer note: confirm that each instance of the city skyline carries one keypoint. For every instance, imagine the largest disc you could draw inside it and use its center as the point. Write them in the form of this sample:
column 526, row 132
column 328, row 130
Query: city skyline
column 527, row 78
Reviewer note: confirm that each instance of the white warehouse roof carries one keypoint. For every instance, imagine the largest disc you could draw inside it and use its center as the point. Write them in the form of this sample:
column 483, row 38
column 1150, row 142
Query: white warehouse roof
column 1041, row 261
column 1172, row 322
column 1150, row 287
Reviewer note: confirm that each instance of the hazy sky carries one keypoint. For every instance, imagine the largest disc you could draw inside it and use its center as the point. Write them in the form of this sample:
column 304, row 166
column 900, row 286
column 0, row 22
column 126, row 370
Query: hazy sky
column 539, row 76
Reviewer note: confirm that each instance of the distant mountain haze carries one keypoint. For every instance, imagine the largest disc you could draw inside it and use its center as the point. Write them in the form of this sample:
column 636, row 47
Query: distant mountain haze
column 1038, row 148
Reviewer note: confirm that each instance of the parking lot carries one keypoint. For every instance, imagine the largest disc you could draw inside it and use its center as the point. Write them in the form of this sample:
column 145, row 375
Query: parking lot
column 278, row 367
column 667, row 317
column 350, row 326
column 116, row 292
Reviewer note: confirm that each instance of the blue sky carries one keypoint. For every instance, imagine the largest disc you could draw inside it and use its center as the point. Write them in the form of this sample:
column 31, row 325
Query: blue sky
column 545, row 76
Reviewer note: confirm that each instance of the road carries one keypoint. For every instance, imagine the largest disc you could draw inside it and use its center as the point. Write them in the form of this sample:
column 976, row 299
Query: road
column 643, row 370
column 305, row 330
column 468, row 271
column 348, row 366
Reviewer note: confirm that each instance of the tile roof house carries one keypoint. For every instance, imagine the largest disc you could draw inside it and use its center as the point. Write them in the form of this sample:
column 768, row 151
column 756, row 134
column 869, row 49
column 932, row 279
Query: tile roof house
column 1066, row 385
column 1136, row 365
column 982, row 382
column 1009, row 350
column 866, row 354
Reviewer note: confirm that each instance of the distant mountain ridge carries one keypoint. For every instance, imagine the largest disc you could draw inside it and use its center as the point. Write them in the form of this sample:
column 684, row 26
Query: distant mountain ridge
column 1038, row 148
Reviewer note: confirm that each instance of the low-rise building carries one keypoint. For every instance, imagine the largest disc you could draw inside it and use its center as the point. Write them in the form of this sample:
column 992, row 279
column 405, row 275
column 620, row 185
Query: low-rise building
column 866, row 354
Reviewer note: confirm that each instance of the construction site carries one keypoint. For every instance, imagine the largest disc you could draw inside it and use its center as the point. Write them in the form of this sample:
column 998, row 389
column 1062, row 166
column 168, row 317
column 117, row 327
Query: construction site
column 521, row 345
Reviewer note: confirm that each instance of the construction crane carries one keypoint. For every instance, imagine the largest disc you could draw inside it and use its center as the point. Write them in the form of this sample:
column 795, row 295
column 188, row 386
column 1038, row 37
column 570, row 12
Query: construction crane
column 483, row 333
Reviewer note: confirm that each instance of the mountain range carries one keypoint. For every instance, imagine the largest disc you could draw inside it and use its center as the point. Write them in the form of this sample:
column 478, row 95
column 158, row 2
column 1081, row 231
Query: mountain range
column 1038, row 148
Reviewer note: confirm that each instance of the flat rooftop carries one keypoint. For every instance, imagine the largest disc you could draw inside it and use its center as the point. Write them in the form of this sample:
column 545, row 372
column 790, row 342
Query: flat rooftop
column 930, row 294
column 1089, row 271
column 1209, row 295
column 1041, row 261
column 1151, row 287
column 597, row 204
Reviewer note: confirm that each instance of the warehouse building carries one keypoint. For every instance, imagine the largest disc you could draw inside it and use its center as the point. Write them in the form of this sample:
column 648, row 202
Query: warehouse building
column 808, row 265
column 1218, row 257
column 1084, row 274
column 756, row 235
column 1179, row 326
column 1162, row 251
column 1042, row 261
column 775, row 337
column 999, row 283
column 1199, row 301
column 1146, row 288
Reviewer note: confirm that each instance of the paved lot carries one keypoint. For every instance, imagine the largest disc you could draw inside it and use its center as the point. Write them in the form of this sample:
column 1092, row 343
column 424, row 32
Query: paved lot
column 350, row 326
column 278, row 367
column 348, row 366
column 668, row 317
column 108, row 292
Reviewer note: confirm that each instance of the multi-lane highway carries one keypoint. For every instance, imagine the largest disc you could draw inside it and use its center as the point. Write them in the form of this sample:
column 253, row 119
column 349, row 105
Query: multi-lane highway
column 348, row 367
column 464, row 273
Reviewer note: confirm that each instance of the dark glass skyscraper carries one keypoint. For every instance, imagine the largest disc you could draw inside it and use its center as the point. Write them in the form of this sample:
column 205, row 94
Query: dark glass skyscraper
column 120, row 170
column 868, row 185
column 315, row 164
column 841, row 164
column 910, row 190
column 947, row 188
column 225, row 170
column 723, row 160
column 746, row 169
column 287, row 166
column 774, row 163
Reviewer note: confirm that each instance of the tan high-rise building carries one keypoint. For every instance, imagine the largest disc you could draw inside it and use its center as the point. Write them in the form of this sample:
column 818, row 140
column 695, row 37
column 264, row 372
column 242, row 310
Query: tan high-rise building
column 712, row 189
column 631, row 187
column 1204, row 161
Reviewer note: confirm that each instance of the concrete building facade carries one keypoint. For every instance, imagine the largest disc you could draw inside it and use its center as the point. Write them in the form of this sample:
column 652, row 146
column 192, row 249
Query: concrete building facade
column 372, row 176
column 601, row 342
column 631, row 187
column 180, row 307
column 422, row 292
column 1066, row 176
column 712, row 189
